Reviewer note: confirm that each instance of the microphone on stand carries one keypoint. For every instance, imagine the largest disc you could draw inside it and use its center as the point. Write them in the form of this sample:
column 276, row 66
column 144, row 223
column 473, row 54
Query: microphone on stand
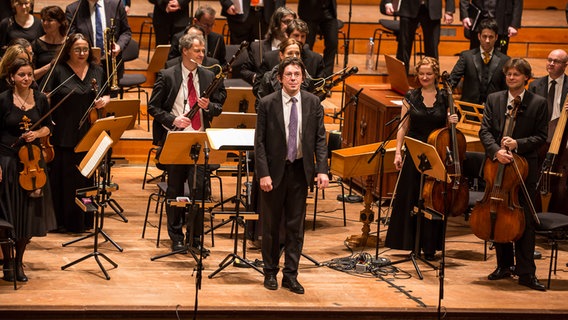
column 391, row 121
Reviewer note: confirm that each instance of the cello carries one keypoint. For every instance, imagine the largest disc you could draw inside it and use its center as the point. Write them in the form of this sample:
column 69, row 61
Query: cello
column 451, row 197
column 498, row 217
column 552, row 183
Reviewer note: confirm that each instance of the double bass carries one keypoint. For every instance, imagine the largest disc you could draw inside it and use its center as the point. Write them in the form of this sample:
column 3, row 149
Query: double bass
column 552, row 184
column 498, row 217
column 452, row 197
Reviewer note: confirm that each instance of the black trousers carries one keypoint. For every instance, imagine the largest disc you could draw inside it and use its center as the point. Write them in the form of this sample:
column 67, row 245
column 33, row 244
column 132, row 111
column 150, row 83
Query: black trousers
column 328, row 29
column 286, row 201
column 254, row 27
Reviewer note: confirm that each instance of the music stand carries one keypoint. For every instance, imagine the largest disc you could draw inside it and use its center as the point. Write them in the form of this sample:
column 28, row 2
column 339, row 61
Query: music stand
column 83, row 145
column 234, row 120
column 94, row 199
column 428, row 163
column 240, row 140
column 114, row 127
column 121, row 108
column 177, row 150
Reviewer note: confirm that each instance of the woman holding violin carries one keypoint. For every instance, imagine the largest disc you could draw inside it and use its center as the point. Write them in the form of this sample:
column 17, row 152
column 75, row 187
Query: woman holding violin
column 77, row 74
column 25, row 197
column 427, row 108
column 529, row 132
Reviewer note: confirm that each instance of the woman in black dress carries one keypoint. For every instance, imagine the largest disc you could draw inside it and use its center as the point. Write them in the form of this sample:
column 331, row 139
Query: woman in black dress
column 30, row 212
column 74, row 71
column 23, row 24
column 428, row 108
column 47, row 47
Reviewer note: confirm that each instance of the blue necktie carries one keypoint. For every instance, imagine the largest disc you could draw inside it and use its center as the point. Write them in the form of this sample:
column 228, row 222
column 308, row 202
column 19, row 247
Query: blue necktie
column 293, row 132
column 99, row 26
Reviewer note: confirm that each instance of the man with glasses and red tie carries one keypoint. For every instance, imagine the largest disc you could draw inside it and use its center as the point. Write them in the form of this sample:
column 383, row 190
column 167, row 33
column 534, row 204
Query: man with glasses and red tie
column 289, row 135
column 175, row 91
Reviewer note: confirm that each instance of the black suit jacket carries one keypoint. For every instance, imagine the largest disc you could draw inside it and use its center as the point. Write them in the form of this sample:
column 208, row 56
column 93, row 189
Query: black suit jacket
column 215, row 46
column 508, row 13
column 113, row 9
column 469, row 67
column 252, row 64
column 164, row 93
column 269, row 7
column 178, row 19
column 530, row 130
column 410, row 8
column 270, row 138
column 540, row 87
column 311, row 10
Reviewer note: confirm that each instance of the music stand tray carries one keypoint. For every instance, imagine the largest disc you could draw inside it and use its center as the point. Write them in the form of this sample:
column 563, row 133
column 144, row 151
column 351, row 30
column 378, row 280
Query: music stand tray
column 427, row 162
column 123, row 107
column 234, row 120
column 240, row 140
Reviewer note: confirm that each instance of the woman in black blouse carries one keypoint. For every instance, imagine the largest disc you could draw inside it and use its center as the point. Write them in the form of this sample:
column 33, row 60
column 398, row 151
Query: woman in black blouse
column 47, row 47
column 22, row 24
column 30, row 212
column 74, row 71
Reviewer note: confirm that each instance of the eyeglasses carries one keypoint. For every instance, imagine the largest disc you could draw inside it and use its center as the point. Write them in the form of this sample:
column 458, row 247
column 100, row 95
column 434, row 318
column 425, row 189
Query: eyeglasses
column 81, row 50
column 555, row 61
column 289, row 75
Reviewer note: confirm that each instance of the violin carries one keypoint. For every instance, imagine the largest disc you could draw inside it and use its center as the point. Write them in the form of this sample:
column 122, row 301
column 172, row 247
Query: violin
column 498, row 217
column 450, row 143
column 32, row 176
column 95, row 114
column 47, row 149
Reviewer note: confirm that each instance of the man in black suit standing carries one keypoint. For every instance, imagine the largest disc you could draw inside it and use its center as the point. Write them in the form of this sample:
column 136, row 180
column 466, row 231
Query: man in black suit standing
column 427, row 14
column 175, row 91
column 86, row 22
column 481, row 68
column 289, row 134
column 251, row 21
column 321, row 15
column 553, row 87
column 169, row 18
column 528, row 135
column 507, row 13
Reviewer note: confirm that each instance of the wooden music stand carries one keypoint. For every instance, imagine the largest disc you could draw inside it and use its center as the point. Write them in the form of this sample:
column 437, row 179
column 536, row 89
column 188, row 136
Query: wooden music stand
column 113, row 125
column 124, row 107
column 239, row 99
column 234, row 120
column 179, row 149
column 351, row 162
column 471, row 117
column 240, row 140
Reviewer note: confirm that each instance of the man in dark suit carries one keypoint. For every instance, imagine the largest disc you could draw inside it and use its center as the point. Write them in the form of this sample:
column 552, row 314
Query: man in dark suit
column 507, row 13
column 557, row 90
column 169, row 18
column 85, row 23
column 481, row 68
column 427, row 14
column 251, row 22
column 321, row 15
column 170, row 102
column 289, row 134
column 297, row 29
column 528, row 135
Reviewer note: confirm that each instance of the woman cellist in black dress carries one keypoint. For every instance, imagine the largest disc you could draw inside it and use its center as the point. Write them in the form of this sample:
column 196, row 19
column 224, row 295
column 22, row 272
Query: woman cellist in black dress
column 29, row 211
column 428, row 108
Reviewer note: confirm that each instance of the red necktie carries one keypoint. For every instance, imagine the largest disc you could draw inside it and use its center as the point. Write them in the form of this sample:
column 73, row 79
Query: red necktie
column 192, row 97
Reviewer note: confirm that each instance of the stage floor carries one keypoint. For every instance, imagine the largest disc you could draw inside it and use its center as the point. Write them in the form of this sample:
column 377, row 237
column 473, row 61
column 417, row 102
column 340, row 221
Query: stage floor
column 140, row 288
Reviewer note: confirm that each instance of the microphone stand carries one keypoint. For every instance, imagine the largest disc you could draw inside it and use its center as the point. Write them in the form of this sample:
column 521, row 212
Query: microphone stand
column 352, row 198
column 381, row 150
column 346, row 62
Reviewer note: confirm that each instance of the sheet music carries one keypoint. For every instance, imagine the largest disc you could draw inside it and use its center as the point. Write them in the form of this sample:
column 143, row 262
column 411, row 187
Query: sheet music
column 226, row 138
column 97, row 156
column 238, row 6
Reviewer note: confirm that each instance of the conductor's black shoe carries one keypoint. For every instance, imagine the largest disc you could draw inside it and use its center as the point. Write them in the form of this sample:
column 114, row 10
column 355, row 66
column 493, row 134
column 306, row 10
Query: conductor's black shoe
column 293, row 285
column 196, row 248
column 529, row 280
column 500, row 273
column 270, row 282
column 177, row 245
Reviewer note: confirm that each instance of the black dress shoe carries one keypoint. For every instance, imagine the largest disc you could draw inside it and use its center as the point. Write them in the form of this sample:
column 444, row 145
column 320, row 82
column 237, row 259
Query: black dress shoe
column 8, row 275
column 196, row 248
column 270, row 282
column 430, row 256
column 293, row 285
column 500, row 273
column 529, row 280
column 177, row 246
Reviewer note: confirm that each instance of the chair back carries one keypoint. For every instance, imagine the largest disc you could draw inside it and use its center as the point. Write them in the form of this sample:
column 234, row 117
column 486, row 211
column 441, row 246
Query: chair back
column 131, row 51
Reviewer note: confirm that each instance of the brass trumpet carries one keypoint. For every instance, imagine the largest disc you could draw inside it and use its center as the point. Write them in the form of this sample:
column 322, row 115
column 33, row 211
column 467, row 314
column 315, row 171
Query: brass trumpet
column 108, row 39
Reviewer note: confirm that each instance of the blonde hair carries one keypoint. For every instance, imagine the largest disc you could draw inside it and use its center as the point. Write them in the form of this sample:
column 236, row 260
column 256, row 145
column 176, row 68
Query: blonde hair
column 11, row 54
column 428, row 61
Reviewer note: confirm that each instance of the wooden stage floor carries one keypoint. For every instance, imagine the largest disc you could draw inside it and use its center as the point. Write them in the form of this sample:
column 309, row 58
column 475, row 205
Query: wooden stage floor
column 144, row 289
